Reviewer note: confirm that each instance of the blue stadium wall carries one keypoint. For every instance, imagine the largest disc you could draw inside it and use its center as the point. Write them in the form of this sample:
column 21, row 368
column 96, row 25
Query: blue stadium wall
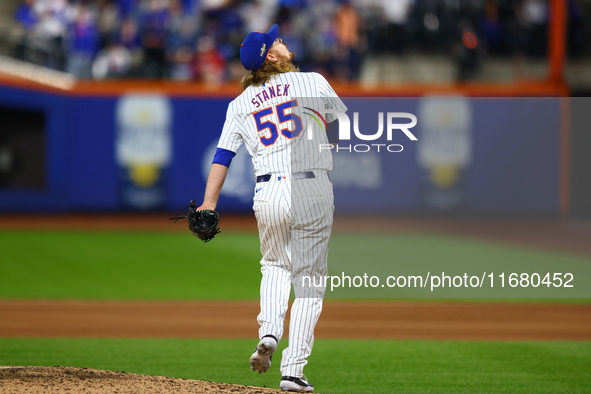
column 504, row 157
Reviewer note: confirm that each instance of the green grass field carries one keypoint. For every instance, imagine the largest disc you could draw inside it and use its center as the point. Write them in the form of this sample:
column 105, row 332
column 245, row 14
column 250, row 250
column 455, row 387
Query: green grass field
column 151, row 266
column 337, row 366
column 144, row 266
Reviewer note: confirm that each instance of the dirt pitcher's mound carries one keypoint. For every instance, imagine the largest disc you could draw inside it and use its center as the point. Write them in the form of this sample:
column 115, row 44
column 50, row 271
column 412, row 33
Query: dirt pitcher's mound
column 93, row 381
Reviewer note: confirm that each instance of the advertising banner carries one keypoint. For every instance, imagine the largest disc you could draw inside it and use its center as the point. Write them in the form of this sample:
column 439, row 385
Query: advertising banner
column 432, row 154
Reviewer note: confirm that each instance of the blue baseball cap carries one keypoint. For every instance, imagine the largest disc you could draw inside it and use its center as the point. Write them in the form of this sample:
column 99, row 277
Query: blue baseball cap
column 255, row 47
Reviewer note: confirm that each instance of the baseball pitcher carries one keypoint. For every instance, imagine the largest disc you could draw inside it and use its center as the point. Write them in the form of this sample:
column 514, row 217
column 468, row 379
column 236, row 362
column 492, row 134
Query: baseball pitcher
column 277, row 118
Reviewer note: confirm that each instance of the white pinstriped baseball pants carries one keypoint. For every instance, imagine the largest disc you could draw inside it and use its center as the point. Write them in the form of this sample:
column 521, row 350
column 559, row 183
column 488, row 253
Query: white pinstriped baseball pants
column 294, row 221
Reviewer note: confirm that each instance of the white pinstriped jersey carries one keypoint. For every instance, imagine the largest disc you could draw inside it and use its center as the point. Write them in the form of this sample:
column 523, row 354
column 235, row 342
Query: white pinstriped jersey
column 272, row 121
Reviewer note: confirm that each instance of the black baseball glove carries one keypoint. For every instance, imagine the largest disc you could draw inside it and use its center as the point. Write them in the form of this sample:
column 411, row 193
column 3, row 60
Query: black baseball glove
column 203, row 224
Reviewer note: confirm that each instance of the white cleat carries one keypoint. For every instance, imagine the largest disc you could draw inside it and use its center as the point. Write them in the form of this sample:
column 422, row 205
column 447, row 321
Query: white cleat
column 289, row 383
column 261, row 358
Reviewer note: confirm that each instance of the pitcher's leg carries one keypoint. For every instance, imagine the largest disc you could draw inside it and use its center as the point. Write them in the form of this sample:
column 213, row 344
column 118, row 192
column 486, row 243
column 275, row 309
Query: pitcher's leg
column 303, row 318
column 275, row 289
column 273, row 221
column 311, row 230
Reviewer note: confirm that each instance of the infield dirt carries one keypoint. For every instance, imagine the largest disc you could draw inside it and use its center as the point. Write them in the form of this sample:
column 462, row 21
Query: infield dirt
column 62, row 380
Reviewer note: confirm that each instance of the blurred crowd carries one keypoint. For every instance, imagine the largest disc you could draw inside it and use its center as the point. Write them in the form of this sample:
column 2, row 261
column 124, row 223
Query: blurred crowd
column 200, row 39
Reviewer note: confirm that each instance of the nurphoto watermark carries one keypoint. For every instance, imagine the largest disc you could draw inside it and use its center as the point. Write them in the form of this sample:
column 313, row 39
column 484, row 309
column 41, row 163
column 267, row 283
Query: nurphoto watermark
column 388, row 122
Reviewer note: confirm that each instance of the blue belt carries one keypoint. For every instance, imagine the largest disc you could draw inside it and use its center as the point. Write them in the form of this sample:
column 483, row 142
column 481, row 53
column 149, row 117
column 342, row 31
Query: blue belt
column 295, row 175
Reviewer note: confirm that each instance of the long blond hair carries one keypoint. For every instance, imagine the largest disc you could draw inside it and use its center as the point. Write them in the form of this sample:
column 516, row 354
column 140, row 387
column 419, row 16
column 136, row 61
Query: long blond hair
column 267, row 70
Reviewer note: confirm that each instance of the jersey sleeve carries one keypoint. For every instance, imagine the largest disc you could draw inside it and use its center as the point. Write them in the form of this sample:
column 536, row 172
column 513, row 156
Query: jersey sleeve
column 231, row 137
column 329, row 96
